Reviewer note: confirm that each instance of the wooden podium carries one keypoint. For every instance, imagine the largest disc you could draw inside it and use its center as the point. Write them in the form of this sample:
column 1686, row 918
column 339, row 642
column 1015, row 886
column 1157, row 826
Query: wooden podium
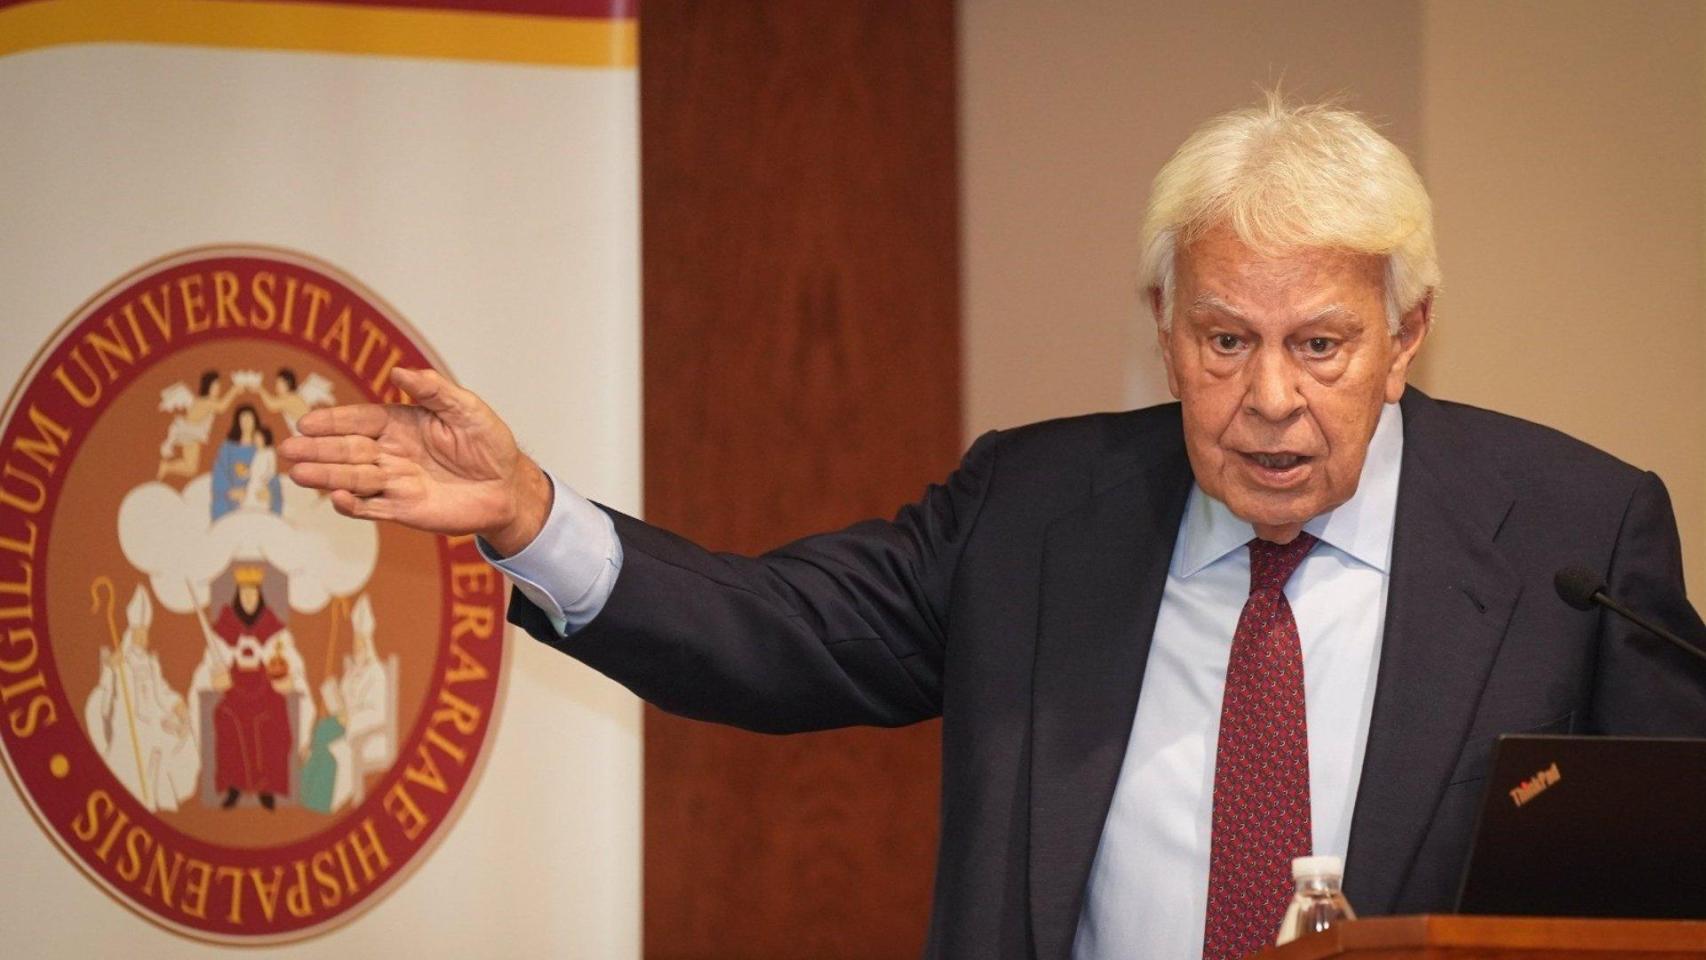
column 1505, row 938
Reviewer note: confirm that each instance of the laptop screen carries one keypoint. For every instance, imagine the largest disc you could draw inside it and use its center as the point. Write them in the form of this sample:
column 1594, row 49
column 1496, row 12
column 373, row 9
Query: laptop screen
column 1591, row 827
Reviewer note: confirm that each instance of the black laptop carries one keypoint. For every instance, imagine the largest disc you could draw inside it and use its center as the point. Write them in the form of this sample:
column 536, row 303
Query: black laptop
column 1591, row 827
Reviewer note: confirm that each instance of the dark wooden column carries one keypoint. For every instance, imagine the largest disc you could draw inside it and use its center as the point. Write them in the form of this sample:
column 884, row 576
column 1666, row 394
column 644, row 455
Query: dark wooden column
column 799, row 198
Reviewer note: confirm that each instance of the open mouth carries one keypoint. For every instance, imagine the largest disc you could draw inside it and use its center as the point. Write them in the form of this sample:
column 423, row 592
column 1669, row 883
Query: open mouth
column 1278, row 468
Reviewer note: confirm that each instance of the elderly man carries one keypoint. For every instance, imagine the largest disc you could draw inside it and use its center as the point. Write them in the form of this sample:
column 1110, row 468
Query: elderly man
column 1171, row 648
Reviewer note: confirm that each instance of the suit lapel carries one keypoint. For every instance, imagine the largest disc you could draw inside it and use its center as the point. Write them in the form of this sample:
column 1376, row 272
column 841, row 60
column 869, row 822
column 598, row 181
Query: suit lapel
column 1104, row 569
column 1449, row 601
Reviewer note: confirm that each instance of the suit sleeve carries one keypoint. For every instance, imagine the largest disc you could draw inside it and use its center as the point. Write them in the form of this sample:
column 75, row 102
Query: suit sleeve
column 1644, row 685
column 838, row 629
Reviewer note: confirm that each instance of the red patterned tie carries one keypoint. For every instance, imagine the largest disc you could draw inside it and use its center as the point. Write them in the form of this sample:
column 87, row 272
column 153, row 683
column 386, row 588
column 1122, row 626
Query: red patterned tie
column 1261, row 766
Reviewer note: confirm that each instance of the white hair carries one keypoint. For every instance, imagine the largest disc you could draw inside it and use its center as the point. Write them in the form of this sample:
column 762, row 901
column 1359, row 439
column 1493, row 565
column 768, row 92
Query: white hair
column 1284, row 177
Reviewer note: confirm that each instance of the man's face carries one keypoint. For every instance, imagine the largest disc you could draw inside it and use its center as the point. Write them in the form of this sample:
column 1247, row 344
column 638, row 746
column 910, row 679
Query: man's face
column 249, row 598
column 1282, row 365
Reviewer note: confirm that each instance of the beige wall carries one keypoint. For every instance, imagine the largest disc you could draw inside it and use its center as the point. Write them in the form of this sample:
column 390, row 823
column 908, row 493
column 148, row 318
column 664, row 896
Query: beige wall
column 1067, row 111
column 1563, row 143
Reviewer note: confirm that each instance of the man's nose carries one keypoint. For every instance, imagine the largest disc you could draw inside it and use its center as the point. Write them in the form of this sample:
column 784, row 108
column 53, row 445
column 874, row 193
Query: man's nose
column 1273, row 392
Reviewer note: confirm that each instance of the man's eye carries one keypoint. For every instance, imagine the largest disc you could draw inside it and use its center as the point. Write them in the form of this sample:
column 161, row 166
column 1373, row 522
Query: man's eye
column 1227, row 342
column 1318, row 346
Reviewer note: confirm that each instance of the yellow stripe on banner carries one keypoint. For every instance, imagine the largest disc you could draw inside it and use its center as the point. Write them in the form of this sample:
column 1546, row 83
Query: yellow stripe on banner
column 323, row 28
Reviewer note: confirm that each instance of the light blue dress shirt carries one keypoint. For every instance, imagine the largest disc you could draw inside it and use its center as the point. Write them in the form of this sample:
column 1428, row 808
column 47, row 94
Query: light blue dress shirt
column 570, row 568
column 1148, row 888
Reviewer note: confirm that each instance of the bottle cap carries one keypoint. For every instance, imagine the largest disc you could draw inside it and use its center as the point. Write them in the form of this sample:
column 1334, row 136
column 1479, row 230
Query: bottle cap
column 1302, row 867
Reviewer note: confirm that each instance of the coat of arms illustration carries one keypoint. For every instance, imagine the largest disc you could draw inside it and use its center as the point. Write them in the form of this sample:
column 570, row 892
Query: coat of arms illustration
column 239, row 712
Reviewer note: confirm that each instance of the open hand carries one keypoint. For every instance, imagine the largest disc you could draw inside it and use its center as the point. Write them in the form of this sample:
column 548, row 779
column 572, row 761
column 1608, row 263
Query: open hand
column 444, row 464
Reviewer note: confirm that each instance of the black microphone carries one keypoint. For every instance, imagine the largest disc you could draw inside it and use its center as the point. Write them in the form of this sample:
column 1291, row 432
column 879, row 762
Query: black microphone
column 1582, row 588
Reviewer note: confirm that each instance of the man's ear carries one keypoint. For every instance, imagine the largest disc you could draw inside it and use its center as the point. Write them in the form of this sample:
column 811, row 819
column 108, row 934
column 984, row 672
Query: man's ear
column 1413, row 328
column 1163, row 337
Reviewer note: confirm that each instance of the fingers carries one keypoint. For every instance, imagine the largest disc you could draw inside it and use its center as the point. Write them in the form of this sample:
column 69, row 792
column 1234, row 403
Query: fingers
column 347, row 463
column 434, row 391
column 362, row 480
column 340, row 449
column 363, row 419
column 426, row 387
column 361, row 508
column 430, row 389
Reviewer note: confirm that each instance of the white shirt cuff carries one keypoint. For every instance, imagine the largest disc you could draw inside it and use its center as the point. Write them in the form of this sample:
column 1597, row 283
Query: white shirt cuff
column 570, row 568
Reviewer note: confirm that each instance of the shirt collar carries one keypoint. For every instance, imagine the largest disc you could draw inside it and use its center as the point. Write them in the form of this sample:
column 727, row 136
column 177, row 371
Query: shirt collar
column 1361, row 527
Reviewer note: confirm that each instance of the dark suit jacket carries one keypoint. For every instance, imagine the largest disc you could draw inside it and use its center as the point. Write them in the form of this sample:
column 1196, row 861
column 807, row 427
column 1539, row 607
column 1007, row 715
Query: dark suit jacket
column 1017, row 601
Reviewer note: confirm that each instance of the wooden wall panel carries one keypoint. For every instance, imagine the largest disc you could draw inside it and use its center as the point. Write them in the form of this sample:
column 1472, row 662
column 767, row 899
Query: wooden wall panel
column 799, row 203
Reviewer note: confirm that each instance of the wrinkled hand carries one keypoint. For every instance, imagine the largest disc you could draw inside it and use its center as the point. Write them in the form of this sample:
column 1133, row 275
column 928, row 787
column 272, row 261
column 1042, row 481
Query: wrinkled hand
column 444, row 464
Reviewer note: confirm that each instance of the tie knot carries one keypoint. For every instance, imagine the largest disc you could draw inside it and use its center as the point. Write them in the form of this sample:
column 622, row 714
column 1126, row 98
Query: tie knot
column 1272, row 564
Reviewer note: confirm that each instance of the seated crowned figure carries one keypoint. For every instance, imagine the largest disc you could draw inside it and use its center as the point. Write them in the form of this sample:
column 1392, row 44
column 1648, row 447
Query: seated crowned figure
column 253, row 736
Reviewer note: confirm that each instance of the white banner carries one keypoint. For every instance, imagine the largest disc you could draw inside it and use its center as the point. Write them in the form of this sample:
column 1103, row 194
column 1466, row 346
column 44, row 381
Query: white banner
column 230, row 716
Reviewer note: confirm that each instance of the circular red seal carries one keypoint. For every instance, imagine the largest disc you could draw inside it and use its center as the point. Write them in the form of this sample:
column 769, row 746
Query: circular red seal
column 240, row 713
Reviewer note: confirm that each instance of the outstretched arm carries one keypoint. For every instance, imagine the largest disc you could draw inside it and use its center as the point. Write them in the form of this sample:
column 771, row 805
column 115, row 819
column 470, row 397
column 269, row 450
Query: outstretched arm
column 844, row 628
column 833, row 630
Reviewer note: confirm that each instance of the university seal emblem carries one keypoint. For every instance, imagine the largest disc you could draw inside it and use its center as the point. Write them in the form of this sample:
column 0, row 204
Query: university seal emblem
column 240, row 713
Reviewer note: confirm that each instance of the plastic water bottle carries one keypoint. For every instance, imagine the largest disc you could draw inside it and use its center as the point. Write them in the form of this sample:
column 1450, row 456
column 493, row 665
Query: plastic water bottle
column 1318, row 903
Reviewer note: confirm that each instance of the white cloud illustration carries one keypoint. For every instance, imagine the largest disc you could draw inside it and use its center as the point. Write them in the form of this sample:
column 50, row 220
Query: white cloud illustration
column 167, row 536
